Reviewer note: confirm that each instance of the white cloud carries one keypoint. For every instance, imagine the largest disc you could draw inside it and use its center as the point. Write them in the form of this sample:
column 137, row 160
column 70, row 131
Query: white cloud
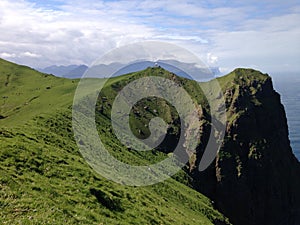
column 51, row 37
column 225, row 70
column 182, row 38
column 81, row 31
column 30, row 54
column 269, row 44
column 212, row 59
column 7, row 55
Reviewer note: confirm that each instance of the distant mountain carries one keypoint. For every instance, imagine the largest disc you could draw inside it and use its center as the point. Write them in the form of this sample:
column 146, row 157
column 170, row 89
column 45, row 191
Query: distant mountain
column 71, row 71
column 77, row 72
column 215, row 71
column 57, row 70
column 186, row 70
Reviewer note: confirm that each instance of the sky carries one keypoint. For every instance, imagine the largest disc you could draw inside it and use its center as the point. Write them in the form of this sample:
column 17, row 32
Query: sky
column 263, row 35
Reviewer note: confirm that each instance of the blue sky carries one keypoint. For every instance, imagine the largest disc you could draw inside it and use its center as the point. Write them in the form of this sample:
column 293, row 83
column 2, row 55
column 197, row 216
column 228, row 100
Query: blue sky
column 259, row 34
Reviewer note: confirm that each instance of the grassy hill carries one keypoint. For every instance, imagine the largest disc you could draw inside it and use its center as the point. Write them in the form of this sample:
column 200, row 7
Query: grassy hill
column 26, row 93
column 45, row 180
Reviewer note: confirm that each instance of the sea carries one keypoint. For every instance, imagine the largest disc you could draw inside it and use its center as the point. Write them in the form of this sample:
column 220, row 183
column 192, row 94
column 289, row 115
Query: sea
column 288, row 86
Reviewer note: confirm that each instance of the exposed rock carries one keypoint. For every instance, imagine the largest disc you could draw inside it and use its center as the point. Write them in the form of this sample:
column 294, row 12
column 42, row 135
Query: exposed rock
column 255, row 179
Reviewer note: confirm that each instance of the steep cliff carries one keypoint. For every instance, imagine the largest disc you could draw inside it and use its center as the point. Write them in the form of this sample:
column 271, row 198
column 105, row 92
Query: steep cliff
column 255, row 178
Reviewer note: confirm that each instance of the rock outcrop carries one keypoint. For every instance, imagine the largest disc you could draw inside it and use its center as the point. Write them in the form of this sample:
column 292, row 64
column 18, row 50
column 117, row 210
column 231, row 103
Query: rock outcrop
column 255, row 179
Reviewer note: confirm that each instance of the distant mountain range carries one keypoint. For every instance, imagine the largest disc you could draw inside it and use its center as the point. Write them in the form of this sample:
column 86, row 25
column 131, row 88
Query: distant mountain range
column 71, row 71
column 187, row 70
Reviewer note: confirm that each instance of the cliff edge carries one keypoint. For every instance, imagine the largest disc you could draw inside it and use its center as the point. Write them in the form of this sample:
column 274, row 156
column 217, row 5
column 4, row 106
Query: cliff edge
column 255, row 178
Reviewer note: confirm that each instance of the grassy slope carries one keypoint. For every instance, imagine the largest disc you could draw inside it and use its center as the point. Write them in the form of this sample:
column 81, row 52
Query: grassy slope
column 44, row 179
column 26, row 93
column 140, row 116
column 236, row 84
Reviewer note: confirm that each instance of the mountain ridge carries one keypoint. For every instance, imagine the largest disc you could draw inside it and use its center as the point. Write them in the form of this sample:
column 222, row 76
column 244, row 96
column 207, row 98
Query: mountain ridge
column 77, row 71
column 70, row 71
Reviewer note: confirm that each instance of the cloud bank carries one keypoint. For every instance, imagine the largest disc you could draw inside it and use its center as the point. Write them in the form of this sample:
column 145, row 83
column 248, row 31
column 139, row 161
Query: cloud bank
column 264, row 35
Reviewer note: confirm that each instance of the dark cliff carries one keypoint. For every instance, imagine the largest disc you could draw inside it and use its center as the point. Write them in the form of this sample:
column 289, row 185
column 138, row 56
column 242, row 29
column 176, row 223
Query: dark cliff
column 255, row 179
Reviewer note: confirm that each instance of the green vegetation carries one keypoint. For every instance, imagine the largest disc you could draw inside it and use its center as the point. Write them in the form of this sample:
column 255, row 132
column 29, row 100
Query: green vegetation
column 26, row 93
column 240, row 88
column 45, row 180
column 142, row 113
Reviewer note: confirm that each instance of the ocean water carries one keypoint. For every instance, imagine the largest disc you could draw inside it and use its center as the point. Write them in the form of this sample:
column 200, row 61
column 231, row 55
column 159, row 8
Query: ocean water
column 288, row 86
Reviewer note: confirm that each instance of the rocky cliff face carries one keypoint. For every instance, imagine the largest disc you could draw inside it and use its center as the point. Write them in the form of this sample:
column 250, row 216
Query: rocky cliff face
column 255, row 178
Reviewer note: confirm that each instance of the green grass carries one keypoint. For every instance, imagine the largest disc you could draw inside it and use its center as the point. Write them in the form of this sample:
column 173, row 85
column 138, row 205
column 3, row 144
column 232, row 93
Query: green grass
column 240, row 88
column 26, row 93
column 45, row 180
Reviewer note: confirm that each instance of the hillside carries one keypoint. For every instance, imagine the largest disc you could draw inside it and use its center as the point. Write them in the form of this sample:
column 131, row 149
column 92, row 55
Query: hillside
column 255, row 168
column 45, row 180
column 26, row 93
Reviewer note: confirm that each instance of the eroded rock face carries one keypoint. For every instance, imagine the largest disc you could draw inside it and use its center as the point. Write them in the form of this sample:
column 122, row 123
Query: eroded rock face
column 255, row 178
